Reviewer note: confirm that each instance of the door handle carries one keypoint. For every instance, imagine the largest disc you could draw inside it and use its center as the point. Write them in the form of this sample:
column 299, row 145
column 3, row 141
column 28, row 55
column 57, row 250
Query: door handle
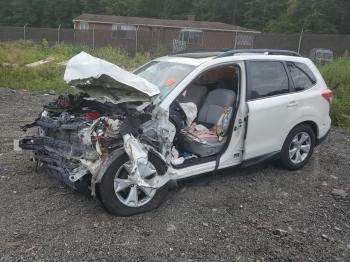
column 293, row 104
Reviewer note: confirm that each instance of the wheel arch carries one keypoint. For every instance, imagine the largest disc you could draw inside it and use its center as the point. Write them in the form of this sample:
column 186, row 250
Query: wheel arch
column 312, row 124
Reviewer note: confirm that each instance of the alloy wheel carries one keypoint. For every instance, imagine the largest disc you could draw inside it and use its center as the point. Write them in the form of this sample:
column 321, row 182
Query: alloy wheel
column 129, row 193
column 299, row 147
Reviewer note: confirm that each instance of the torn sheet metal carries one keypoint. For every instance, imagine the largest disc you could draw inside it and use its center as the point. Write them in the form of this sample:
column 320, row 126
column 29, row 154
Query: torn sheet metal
column 140, row 167
column 162, row 130
column 106, row 81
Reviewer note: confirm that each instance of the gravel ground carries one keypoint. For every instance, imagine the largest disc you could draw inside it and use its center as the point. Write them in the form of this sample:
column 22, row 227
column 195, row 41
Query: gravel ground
column 263, row 213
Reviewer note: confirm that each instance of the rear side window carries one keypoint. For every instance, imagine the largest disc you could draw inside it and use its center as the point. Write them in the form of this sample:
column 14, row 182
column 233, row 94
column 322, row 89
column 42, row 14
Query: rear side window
column 266, row 78
column 301, row 75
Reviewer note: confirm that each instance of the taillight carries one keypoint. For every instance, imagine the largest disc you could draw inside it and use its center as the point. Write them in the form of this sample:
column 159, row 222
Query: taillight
column 328, row 95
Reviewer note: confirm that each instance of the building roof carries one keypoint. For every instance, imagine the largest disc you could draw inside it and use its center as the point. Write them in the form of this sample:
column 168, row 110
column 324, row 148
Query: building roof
column 204, row 25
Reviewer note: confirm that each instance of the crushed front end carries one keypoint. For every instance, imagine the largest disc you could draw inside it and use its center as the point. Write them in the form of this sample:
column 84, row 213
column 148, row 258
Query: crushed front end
column 79, row 136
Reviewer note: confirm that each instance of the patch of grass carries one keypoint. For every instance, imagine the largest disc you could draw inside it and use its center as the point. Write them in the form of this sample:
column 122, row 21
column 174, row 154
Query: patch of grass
column 42, row 79
column 15, row 55
column 337, row 76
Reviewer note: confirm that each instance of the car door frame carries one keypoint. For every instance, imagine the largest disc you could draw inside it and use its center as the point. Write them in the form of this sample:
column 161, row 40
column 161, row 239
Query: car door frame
column 291, row 88
column 234, row 152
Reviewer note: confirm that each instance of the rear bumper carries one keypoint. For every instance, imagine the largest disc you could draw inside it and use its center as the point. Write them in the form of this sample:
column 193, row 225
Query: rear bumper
column 323, row 138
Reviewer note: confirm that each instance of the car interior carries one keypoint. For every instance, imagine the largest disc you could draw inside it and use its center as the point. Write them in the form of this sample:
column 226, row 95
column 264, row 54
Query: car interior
column 215, row 95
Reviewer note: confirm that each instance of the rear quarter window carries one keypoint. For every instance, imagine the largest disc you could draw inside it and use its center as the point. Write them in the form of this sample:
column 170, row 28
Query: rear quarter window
column 302, row 76
column 266, row 78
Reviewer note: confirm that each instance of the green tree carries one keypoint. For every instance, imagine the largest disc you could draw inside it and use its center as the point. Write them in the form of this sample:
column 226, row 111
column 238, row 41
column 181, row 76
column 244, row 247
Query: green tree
column 60, row 12
column 120, row 7
column 330, row 16
column 324, row 16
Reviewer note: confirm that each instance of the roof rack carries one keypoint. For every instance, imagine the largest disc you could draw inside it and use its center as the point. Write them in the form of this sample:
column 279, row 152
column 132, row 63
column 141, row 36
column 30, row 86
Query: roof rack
column 200, row 53
column 201, row 50
column 258, row 51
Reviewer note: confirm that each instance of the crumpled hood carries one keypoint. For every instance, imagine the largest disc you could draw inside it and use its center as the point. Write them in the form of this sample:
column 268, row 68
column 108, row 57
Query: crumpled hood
column 105, row 81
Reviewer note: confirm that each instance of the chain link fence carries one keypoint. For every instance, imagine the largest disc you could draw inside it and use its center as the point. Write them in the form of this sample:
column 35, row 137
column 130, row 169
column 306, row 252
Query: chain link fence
column 171, row 40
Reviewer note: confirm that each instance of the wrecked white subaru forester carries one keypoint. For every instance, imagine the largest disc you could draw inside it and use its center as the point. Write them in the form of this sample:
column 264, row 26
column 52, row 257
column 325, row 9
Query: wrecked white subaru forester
column 127, row 137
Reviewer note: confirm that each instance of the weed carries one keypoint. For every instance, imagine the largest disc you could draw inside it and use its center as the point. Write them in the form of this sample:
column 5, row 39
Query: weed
column 337, row 76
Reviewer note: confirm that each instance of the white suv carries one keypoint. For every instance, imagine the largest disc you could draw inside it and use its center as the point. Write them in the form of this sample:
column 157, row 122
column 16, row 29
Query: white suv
column 131, row 135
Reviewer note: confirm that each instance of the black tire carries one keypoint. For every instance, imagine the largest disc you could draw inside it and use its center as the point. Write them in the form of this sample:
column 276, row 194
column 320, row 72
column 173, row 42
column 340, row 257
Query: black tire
column 110, row 201
column 285, row 159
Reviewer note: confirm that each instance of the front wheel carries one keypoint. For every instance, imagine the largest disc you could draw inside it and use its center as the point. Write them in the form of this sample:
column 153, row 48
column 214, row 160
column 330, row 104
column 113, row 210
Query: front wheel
column 298, row 147
column 121, row 196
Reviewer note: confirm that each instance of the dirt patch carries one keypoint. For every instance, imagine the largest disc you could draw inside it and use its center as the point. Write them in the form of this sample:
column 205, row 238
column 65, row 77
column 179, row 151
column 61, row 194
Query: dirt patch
column 263, row 213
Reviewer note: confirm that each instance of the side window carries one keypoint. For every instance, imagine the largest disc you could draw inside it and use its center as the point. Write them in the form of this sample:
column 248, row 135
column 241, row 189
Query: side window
column 83, row 26
column 115, row 30
column 191, row 36
column 123, row 31
column 266, row 78
column 302, row 76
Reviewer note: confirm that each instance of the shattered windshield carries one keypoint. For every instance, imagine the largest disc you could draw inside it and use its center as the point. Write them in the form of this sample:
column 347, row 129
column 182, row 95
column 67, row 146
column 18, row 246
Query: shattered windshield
column 165, row 75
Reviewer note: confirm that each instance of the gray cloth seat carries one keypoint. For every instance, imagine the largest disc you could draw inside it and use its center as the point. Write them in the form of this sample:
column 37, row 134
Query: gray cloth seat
column 195, row 93
column 209, row 114
column 215, row 103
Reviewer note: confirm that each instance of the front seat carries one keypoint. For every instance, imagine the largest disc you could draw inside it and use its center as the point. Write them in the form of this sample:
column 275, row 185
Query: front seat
column 214, row 106
column 195, row 93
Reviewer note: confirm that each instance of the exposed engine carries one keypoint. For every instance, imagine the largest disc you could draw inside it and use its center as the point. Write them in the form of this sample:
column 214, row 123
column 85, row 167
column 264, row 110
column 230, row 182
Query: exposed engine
column 74, row 129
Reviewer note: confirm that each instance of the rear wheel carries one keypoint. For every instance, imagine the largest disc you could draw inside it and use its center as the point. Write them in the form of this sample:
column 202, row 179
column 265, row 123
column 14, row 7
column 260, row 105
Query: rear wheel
column 298, row 147
column 121, row 196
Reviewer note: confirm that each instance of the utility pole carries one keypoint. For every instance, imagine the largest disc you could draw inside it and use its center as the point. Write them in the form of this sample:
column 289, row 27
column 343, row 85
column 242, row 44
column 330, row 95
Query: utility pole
column 93, row 37
column 300, row 39
column 236, row 36
column 136, row 38
column 58, row 34
column 234, row 17
column 24, row 32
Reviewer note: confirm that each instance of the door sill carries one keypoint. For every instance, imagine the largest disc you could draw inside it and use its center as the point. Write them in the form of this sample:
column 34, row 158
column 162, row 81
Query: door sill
column 260, row 159
column 195, row 161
